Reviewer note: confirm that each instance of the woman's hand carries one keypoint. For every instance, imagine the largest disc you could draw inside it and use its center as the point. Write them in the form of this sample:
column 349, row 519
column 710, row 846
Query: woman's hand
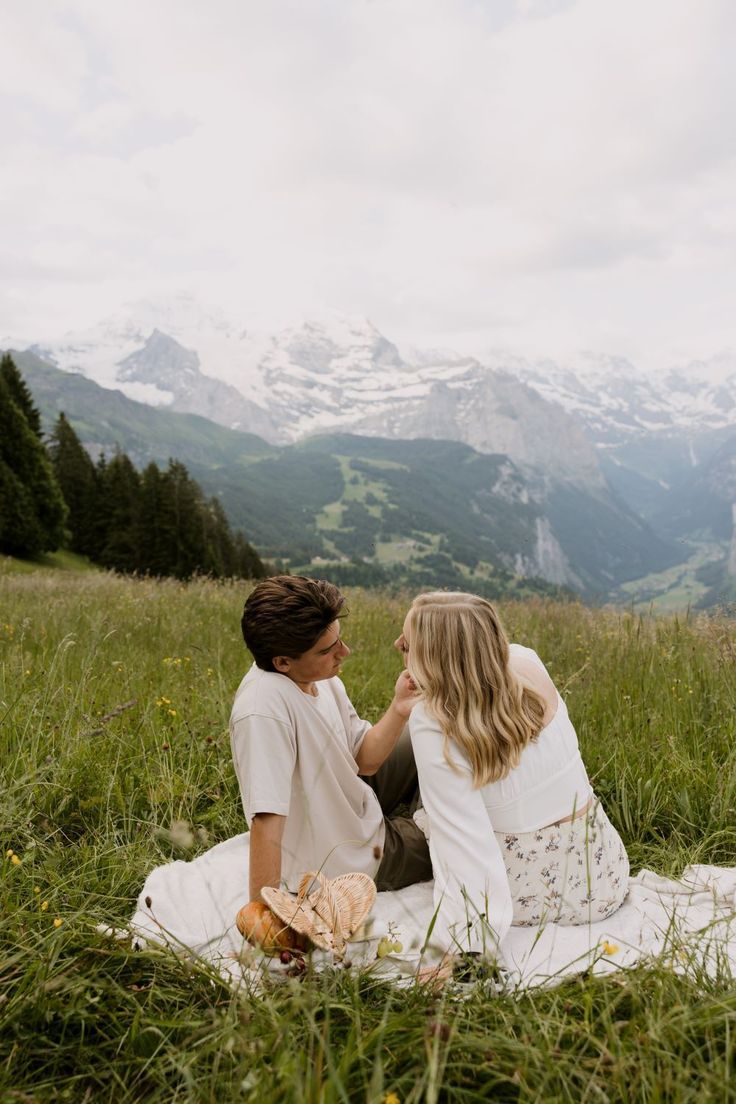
column 438, row 973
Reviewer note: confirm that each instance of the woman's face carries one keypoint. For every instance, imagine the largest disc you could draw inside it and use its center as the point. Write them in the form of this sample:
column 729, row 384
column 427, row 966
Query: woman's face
column 401, row 643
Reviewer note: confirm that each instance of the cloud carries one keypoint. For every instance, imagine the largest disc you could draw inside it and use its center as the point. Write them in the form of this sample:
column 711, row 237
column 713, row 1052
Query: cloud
column 462, row 172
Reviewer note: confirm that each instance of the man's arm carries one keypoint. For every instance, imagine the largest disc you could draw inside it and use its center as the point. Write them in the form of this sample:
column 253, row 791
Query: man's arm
column 266, row 833
column 380, row 741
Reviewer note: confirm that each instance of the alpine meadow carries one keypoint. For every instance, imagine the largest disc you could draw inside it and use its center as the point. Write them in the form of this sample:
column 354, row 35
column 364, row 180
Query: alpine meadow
column 115, row 696
column 368, row 552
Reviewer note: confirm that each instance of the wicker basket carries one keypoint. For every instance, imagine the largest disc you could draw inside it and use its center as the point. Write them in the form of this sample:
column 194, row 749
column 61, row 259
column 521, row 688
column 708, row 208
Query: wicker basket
column 326, row 910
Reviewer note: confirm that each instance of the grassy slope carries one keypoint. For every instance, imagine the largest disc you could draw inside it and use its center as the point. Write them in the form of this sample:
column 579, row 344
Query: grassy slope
column 88, row 795
column 63, row 560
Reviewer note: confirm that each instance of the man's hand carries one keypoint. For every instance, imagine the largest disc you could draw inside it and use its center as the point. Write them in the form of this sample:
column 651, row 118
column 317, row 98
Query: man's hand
column 406, row 694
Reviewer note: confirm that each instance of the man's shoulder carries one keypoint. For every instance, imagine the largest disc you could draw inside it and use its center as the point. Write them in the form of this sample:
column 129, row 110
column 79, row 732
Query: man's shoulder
column 263, row 692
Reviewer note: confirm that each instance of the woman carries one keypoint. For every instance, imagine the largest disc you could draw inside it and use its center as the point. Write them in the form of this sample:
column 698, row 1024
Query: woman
column 516, row 834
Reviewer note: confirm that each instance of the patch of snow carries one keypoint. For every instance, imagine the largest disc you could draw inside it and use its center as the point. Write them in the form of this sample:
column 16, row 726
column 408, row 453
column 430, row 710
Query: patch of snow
column 145, row 393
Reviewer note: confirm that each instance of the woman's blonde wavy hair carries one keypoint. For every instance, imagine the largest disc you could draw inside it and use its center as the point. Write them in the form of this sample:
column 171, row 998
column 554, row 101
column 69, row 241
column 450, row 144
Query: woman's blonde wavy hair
column 459, row 659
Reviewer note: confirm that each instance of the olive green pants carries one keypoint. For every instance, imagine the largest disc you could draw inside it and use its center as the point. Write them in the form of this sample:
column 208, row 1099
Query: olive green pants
column 405, row 858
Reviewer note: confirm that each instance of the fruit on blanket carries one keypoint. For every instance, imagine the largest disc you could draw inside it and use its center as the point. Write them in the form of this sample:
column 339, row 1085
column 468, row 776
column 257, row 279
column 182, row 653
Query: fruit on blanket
column 262, row 928
column 388, row 946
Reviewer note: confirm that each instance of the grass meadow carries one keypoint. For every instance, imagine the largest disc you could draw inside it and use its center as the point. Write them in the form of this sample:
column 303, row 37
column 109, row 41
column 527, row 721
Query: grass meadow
column 114, row 703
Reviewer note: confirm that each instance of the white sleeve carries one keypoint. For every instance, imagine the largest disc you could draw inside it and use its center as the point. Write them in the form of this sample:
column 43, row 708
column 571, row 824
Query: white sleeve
column 527, row 653
column 472, row 898
column 264, row 755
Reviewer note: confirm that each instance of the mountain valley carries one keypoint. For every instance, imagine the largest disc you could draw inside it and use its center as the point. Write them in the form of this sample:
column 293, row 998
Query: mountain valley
column 617, row 476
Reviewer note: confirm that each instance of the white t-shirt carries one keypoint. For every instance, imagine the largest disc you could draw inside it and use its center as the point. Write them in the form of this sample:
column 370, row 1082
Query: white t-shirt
column 471, row 890
column 294, row 755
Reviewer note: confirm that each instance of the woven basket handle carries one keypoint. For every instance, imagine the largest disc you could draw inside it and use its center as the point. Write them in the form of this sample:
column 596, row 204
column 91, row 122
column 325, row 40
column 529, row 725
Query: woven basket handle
column 325, row 903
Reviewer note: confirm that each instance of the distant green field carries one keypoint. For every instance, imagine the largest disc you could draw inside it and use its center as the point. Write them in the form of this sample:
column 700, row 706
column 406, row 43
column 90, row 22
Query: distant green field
column 114, row 699
column 678, row 586
column 52, row 561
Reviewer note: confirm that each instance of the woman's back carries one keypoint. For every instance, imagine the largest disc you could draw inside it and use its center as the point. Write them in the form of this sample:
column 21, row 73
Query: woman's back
column 550, row 783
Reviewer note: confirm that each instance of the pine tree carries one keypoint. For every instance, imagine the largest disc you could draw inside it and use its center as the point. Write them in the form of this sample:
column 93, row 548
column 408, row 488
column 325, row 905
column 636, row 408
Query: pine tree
column 220, row 556
column 32, row 510
column 120, row 490
column 248, row 564
column 184, row 521
column 20, row 393
column 77, row 478
column 154, row 552
column 100, row 520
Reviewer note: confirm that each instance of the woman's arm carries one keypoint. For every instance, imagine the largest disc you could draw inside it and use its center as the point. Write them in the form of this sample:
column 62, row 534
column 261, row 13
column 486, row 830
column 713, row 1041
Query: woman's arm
column 472, row 899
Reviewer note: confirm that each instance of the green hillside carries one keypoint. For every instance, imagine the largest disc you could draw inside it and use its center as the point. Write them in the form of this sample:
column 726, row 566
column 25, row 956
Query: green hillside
column 106, row 420
column 49, row 561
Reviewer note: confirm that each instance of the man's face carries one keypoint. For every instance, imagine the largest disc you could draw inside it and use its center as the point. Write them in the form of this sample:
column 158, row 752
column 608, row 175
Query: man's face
column 322, row 661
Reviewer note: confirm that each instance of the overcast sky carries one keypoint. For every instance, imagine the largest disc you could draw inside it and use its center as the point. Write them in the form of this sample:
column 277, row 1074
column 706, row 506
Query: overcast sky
column 535, row 175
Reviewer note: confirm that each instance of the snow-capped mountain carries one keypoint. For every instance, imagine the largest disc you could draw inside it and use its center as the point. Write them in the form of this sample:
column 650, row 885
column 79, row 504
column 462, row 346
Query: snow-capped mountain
column 330, row 373
column 593, row 421
column 616, row 401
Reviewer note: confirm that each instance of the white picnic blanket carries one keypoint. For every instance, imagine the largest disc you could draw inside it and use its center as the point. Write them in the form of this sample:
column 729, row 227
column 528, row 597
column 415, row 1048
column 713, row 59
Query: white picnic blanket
column 191, row 906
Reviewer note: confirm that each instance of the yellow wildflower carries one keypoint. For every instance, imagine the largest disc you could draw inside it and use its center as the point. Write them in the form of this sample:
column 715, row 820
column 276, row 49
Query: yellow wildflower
column 610, row 948
column 391, row 1098
column 36, row 889
column 16, row 860
column 172, row 712
column 44, row 906
column 58, row 921
column 9, row 853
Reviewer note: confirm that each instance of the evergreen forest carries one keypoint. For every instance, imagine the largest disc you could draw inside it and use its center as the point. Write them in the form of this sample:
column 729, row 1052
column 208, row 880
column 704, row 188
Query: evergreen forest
column 53, row 495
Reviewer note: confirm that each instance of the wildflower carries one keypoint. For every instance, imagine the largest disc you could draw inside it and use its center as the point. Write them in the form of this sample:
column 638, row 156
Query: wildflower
column 610, row 948
column 181, row 834
column 36, row 889
column 58, row 921
column 391, row 1098
column 9, row 853
column 16, row 860
column 172, row 712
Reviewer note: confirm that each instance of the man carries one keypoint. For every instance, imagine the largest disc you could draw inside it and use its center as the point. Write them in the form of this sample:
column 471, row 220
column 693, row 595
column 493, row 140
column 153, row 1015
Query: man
column 302, row 755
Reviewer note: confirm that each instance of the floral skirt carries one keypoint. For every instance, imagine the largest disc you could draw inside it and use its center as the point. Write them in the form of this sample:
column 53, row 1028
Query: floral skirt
column 570, row 873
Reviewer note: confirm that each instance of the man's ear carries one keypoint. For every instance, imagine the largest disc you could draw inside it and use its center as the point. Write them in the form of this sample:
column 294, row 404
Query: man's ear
column 281, row 664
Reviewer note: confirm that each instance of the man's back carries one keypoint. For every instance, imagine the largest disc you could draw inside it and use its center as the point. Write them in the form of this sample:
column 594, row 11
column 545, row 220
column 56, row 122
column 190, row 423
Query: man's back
column 294, row 755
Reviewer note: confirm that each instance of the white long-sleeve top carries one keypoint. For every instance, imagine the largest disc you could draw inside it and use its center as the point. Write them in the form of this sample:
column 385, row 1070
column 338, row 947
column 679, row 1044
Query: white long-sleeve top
column 472, row 898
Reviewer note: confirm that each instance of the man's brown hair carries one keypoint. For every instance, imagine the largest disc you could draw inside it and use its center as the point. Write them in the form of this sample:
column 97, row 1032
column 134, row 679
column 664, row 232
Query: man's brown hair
column 286, row 615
